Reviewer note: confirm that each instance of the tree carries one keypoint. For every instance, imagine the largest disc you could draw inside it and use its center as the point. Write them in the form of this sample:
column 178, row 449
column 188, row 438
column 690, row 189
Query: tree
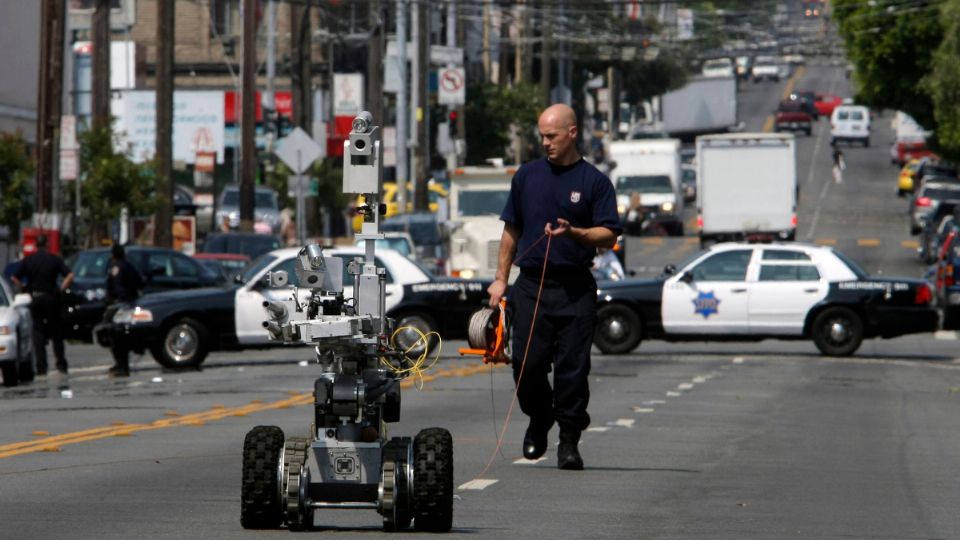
column 111, row 181
column 16, row 173
column 891, row 45
column 491, row 110
column 943, row 83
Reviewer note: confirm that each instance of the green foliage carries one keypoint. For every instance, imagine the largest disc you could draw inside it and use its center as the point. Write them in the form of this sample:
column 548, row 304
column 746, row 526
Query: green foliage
column 111, row 181
column 329, row 175
column 892, row 50
column 645, row 79
column 16, row 173
column 943, row 82
column 492, row 109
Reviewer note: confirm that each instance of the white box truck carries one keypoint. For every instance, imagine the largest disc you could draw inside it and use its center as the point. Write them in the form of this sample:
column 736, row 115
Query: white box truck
column 746, row 187
column 704, row 105
column 477, row 197
column 646, row 176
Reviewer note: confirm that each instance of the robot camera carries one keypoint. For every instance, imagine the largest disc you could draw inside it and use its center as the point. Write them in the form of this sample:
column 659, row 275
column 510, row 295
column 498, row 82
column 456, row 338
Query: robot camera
column 363, row 122
column 278, row 279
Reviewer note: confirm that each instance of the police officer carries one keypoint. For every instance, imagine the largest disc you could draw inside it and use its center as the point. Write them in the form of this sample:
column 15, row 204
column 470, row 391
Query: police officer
column 568, row 200
column 37, row 274
column 123, row 286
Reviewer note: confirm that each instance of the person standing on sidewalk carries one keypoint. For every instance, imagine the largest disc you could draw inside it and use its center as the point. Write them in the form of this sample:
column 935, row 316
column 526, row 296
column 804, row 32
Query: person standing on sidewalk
column 123, row 287
column 567, row 199
column 38, row 275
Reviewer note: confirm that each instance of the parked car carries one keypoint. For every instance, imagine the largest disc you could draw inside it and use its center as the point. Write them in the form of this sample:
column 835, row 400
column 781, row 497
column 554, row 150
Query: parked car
column 905, row 178
column 809, row 99
column 946, row 274
column 688, row 182
column 252, row 245
column 740, row 291
column 161, row 269
column 266, row 208
column 934, row 167
column 765, row 67
column 926, row 200
column 16, row 336
column 181, row 327
column 229, row 265
column 935, row 229
column 792, row 115
column 425, row 230
column 718, row 67
column 850, row 123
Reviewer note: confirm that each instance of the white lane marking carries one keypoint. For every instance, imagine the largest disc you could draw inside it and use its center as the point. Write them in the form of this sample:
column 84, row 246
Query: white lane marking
column 478, row 484
column 622, row 422
column 673, row 394
column 684, row 386
column 642, row 410
column 598, row 429
column 700, row 380
column 654, row 402
column 738, row 360
column 86, row 369
column 945, row 334
column 525, row 461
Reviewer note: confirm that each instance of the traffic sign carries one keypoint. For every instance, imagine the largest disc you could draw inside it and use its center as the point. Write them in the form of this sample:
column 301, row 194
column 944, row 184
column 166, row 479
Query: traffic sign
column 451, row 86
column 298, row 150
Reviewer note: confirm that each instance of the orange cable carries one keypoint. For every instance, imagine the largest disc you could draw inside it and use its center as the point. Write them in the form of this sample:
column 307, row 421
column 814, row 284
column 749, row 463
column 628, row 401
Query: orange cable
column 523, row 363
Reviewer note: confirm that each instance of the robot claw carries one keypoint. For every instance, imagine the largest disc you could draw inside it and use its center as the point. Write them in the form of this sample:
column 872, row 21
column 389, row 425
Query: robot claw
column 347, row 461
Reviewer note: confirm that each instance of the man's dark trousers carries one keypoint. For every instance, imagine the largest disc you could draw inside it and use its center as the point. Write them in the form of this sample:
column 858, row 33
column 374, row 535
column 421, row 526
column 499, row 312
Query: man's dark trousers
column 562, row 337
column 45, row 311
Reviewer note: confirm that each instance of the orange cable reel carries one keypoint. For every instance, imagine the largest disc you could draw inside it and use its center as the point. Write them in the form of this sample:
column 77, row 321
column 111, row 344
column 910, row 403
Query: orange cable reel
column 488, row 334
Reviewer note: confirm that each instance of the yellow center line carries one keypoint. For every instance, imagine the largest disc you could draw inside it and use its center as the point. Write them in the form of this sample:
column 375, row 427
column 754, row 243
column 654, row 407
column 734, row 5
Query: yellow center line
column 768, row 125
column 910, row 244
column 219, row 412
column 868, row 242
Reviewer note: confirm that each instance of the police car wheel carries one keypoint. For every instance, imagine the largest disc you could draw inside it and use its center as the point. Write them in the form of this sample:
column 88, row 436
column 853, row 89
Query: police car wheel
column 407, row 339
column 619, row 329
column 837, row 331
column 183, row 345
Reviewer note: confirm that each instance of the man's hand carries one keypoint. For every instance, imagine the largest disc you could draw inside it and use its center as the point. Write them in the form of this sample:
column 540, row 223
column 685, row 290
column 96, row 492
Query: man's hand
column 562, row 229
column 496, row 290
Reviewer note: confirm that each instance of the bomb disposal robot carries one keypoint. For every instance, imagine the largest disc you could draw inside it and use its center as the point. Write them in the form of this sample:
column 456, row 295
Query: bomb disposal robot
column 347, row 461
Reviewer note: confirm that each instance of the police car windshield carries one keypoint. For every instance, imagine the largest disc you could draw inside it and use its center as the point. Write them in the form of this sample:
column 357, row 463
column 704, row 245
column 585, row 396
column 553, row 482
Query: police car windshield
column 398, row 244
column 256, row 266
column 644, row 184
column 481, row 203
column 853, row 266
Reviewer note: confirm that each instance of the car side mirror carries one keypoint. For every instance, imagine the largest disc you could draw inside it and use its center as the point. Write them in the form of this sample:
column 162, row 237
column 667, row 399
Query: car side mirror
column 687, row 277
column 669, row 269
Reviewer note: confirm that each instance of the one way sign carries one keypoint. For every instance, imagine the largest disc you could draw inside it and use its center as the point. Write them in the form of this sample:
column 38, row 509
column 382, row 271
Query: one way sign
column 452, row 86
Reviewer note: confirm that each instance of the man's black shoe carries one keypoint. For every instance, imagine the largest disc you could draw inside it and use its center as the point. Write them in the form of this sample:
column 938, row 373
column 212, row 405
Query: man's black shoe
column 535, row 442
column 118, row 372
column 62, row 369
column 568, row 457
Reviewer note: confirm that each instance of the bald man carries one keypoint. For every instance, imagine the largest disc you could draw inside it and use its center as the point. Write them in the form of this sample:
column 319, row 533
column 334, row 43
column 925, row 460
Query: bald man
column 568, row 200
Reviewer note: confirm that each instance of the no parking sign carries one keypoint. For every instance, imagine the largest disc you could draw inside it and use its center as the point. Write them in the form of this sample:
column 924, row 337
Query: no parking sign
column 452, row 86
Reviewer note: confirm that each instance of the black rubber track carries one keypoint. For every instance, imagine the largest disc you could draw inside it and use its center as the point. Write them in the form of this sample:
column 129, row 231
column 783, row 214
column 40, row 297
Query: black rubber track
column 260, row 506
column 433, row 480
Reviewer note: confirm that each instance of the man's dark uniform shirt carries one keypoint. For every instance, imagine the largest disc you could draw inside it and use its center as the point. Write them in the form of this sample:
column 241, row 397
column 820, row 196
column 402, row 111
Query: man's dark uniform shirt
column 41, row 271
column 539, row 194
column 123, row 282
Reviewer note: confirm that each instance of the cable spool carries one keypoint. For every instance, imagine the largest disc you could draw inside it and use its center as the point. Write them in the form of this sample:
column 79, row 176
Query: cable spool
column 488, row 333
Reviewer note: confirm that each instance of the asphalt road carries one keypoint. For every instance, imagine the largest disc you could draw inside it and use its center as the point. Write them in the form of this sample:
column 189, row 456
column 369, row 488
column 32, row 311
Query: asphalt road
column 697, row 440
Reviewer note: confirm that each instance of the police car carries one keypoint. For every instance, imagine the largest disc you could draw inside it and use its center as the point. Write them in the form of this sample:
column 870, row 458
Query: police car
column 181, row 327
column 741, row 291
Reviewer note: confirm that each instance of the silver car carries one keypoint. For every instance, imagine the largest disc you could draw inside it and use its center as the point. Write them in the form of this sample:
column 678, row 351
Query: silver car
column 266, row 209
column 926, row 200
column 16, row 336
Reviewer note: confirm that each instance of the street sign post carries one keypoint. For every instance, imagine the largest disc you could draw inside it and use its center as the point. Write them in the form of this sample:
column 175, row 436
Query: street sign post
column 298, row 151
column 452, row 87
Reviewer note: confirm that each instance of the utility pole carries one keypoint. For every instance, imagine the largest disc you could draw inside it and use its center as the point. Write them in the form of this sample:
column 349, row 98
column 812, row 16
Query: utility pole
column 403, row 108
column 268, row 101
column 486, row 41
column 50, row 85
column 422, row 121
column 248, row 155
column 416, row 114
column 301, row 72
column 546, row 47
column 163, row 226
column 101, row 64
column 375, row 61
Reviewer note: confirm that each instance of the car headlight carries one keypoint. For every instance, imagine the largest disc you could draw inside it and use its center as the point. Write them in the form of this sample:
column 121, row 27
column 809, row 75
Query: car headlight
column 621, row 208
column 5, row 330
column 667, row 207
column 467, row 274
column 95, row 294
column 133, row 316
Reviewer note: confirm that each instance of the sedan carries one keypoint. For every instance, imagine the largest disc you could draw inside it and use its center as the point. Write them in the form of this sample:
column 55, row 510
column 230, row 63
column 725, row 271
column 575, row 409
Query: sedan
column 161, row 269
column 743, row 292
column 826, row 103
column 181, row 327
column 16, row 336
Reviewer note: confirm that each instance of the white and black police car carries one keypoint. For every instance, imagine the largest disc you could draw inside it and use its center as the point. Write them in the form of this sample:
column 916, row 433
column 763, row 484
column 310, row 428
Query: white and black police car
column 179, row 328
column 743, row 292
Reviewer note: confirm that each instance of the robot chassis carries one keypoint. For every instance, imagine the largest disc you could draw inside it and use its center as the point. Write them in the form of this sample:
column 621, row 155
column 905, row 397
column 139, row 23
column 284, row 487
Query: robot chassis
column 347, row 462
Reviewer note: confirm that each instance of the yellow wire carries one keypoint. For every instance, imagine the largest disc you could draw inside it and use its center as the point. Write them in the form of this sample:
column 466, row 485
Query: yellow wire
column 417, row 364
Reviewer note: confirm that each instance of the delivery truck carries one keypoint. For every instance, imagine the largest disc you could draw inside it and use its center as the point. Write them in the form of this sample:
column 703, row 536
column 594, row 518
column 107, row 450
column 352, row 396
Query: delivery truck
column 746, row 187
column 647, row 178
column 704, row 105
